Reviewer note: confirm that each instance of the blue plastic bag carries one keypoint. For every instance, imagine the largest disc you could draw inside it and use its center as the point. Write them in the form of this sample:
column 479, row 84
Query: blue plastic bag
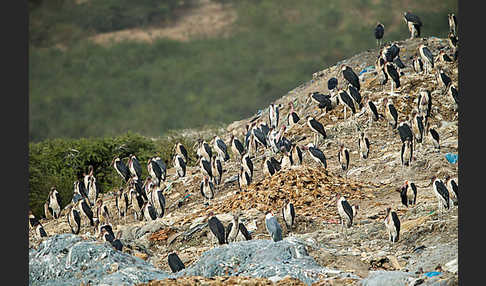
column 451, row 158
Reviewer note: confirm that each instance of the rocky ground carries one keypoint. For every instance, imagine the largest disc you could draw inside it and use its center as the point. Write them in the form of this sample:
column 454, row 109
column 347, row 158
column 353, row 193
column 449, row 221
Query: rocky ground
column 428, row 241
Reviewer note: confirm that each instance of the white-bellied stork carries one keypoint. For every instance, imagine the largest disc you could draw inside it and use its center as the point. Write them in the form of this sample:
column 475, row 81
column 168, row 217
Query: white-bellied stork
column 441, row 192
column 288, row 214
column 390, row 53
column 273, row 115
column 158, row 200
column 379, row 32
column 316, row 154
column 55, row 202
column 134, row 166
column 121, row 202
column 175, row 263
column 427, row 57
column 48, row 213
column 405, row 131
column 244, row 179
column 163, row 167
column 453, row 187
column 434, row 137
column 296, row 154
column 371, row 110
column 220, row 148
column 121, row 168
column 203, row 149
column 408, row 194
column 406, row 153
column 205, row 166
column 237, row 147
column 273, row 227
column 217, row 228
column 180, row 166
column 343, row 157
column 347, row 102
column 452, row 23
column 413, row 23
column 74, row 220
column 418, row 65
column 350, row 76
column 345, row 212
column 85, row 210
column 443, row 58
column 92, row 189
column 392, row 224
column 391, row 113
column 217, row 170
column 268, row 168
column 247, row 164
column 138, row 186
column 102, row 212
column 233, row 228
column 355, row 96
column 149, row 212
column 181, row 150
column 424, row 104
column 392, row 73
column 443, row 80
column 136, row 202
column 292, row 118
column 363, row 145
column 317, row 128
column 418, row 126
column 154, row 171
column 454, row 95
column 207, row 188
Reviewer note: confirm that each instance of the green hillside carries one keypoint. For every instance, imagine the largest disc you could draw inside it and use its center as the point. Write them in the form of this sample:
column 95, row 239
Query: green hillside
column 84, row 89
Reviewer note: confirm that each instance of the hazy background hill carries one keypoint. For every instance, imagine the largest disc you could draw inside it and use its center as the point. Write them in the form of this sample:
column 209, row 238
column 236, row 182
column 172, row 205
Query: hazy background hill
column 192, row 63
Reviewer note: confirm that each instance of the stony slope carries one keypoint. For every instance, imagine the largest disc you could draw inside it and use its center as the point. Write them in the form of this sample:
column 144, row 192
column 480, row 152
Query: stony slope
column 426, row 241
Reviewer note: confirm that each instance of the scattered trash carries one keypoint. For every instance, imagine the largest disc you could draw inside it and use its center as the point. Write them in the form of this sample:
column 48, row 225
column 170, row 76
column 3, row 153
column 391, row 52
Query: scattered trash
column 367, row 69
column 432, row 274
column 452, row 158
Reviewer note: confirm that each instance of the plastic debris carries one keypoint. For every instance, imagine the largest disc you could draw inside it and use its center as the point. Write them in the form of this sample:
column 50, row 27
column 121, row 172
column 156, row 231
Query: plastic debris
column 432, row 274
column 451, row 158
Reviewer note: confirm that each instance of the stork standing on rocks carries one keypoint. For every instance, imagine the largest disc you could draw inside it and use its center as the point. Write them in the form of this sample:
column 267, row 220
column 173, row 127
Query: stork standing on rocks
column 453, row 188
column 405, row 131
column 363, row 145
column 207, row 188
column 391, row 113
column 441, row 193
column 413, row 23
column 452, row 23
column 427, row 57
column 418, row 65
column 237, row 147
column 292, row 118
column 134, row 166
column 109, row 237
column 343, row 157
column 355, row 96
column 406, row 153
column 244, row 179
column 35, row 224
column 345, row 212
column 392, row 72
column 347, row 102
column 323, row 101
column 92, row 189
column 180, row 166
column 233, row 228
column 417, row 126
column 379, row 32
column 136, row 203
column 296, row 154
column 74, row 220
column 288, row 214
column 316, row 154
column 350, row 76
column 203, row 149
column 154, row 171
column 158, row 200
column 182, row 151
column 102, row 212
column 217, row 228
column 268, row 168
column 372, row 111
column 424, row 104
column 149, row 212
column 121, row 202
column 332, row 83
column 48, row 210
column 454, row 95
column 443, row 80
column 434, row 137
column 205, row 166
column 217, row 170
column 392, row 224
column 273, row 115
column 221, row 148
column 121, row 168
column 247, row 164
column 55, row 202
column 273, row 227
column 408, row 193
column 317, row 128
column 85, row 210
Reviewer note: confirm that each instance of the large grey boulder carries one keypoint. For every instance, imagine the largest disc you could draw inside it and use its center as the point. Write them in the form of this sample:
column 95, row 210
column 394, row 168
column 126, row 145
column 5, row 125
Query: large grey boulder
column 67, row 259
